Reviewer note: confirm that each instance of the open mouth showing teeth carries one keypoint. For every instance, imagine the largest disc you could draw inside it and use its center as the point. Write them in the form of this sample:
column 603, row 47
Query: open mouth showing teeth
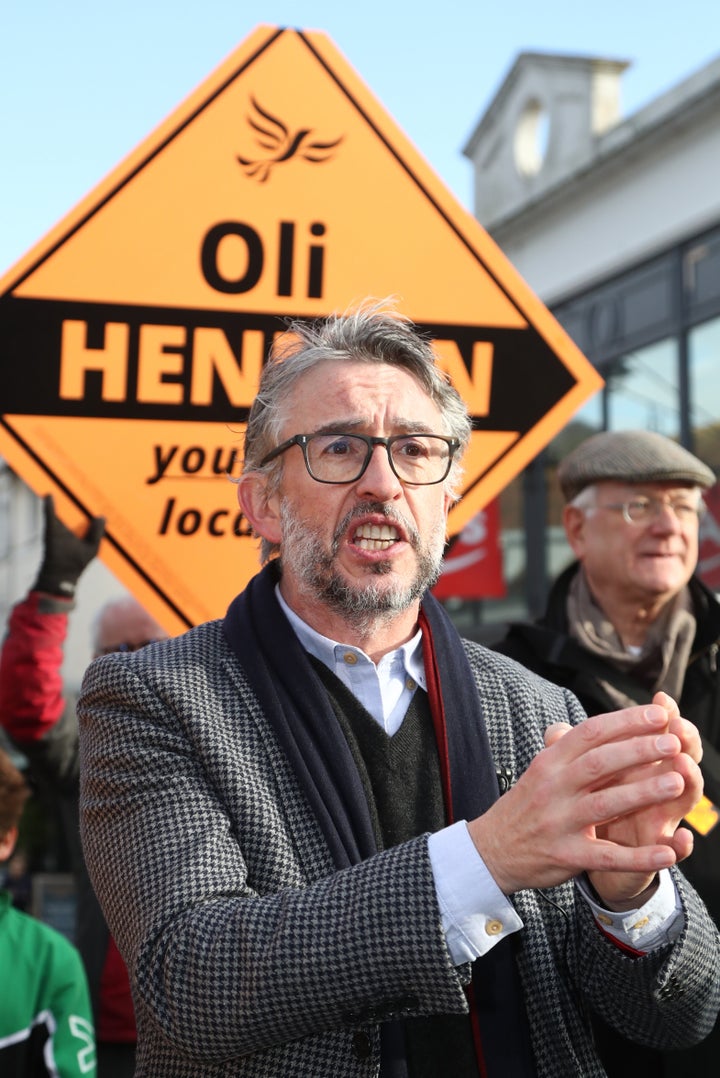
column 375, row 536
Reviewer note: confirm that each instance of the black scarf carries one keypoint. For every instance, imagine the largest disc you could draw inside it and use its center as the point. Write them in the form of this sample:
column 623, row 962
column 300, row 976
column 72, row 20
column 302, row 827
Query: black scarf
column 297, row 707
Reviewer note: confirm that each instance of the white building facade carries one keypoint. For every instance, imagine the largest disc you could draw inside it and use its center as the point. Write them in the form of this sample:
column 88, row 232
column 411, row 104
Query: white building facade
column 615, row 223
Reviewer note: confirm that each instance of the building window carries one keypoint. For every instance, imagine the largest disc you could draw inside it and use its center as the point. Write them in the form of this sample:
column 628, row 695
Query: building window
column 642, row 390
column 704, row 393
column 704, row 369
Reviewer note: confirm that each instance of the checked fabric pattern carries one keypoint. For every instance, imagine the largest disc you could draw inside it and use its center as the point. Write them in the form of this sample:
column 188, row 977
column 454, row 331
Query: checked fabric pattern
column 250, row 956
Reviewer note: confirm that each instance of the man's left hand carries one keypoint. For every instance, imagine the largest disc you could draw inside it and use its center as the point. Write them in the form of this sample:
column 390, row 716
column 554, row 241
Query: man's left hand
column 658, row 824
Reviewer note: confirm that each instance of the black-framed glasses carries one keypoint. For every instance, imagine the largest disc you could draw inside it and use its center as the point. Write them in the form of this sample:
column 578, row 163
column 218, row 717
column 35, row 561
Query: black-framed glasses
column 418, row 459
column 643, row 510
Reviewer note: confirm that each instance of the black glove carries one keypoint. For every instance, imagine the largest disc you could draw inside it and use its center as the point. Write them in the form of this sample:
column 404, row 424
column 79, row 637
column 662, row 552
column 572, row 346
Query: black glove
column 66, row 554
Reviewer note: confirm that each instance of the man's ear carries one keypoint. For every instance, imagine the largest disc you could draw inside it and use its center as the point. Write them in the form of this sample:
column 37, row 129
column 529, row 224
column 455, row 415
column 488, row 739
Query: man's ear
column 574, row 522
column 7, row 843
column 262, row 511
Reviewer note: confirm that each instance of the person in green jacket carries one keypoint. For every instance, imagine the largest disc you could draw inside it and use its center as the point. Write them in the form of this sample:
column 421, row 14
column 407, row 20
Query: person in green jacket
column 46, row 1025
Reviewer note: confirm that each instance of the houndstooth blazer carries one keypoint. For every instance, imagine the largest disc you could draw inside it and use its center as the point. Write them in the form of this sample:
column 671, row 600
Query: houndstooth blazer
column 250, row 955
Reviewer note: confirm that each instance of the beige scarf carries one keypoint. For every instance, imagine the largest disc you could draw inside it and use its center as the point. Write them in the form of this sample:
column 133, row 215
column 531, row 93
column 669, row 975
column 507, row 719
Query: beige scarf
column 664, row 656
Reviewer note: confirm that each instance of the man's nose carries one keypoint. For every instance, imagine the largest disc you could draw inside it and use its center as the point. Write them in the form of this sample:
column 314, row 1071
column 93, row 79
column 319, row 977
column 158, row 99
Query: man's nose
column 379, row 479
column 665, row 519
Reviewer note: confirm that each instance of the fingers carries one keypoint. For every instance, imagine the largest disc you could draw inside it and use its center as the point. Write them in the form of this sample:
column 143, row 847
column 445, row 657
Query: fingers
column 693, row 782
column 601, row 748
column 555, row 731
column 621, row 873
column 689, row 737
column 613, row 802
column 616, row 726
column 682, row 843
column 686, row 731
column 95, row 532
column 662, row 699
column 603, row 856
column 619, row 780
column 56, row 530
column 594, row 755
column 620, row 760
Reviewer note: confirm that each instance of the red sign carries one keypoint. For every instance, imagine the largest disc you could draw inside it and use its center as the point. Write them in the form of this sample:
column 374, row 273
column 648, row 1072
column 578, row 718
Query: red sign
column 709, row 553
column 473, row 566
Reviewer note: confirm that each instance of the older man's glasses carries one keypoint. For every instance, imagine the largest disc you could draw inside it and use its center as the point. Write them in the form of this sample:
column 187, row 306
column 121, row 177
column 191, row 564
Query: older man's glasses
column 645, row 510
column 417, row 459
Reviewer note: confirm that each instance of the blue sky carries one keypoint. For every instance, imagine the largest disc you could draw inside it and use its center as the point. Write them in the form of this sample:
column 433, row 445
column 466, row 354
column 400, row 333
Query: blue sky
column 81, row 83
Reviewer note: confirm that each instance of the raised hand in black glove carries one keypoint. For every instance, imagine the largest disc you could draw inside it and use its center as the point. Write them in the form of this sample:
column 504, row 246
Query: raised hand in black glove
column 65, row 554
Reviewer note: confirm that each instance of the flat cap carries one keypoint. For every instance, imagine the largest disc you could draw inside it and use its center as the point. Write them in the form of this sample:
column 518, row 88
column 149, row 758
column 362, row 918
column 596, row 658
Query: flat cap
column 630, row 456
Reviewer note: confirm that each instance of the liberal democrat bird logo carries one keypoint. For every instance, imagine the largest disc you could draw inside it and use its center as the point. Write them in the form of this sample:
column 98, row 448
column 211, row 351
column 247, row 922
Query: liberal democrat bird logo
column 282, row 144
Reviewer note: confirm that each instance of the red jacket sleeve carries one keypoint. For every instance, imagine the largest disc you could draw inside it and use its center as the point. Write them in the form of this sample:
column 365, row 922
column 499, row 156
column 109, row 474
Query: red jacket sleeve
column 31, row 688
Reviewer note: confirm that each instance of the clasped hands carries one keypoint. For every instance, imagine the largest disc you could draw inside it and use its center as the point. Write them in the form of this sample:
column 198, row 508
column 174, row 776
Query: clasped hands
column 604, row 797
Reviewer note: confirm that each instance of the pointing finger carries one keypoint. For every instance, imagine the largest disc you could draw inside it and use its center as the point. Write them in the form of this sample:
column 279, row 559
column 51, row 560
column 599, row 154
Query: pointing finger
column 554, row 732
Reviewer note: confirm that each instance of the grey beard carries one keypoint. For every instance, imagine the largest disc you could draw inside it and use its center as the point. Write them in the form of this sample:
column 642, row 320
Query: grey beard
column 303, row 552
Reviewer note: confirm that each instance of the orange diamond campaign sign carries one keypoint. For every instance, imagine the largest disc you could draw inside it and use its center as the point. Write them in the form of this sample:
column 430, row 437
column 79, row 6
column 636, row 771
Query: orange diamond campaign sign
column 133, row 335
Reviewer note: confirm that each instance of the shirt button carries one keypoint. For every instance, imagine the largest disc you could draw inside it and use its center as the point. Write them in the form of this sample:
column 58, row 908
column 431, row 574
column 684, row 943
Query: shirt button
column 641, row 923
column 493, row 927
column 409, row 684
column 604, row 919
column 350, row 658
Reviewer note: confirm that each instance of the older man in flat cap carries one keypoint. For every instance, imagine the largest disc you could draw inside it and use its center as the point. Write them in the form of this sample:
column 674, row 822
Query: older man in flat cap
column 628, row 618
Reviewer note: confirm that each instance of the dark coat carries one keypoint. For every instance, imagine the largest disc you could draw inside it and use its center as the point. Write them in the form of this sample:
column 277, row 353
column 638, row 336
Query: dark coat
column 251, row 956
column 546, row 648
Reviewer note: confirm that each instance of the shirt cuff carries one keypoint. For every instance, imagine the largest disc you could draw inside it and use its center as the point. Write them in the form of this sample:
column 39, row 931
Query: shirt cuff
column 474, row 911
column 658, row 922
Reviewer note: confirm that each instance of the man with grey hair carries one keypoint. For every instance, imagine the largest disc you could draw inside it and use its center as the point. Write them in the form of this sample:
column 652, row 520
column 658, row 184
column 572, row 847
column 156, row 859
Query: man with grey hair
column 628, row 619
column 292, row 816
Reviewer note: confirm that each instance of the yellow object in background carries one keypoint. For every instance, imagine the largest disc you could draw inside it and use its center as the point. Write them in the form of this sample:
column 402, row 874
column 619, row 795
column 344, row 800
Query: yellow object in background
column 704, row 816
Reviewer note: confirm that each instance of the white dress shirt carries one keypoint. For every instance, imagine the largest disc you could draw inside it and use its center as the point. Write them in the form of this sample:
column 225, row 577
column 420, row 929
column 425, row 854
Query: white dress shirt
column 475, row 913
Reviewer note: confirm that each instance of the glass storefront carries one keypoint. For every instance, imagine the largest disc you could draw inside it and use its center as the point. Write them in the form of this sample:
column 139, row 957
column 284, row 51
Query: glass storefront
column 704, row 384
column 643, row 392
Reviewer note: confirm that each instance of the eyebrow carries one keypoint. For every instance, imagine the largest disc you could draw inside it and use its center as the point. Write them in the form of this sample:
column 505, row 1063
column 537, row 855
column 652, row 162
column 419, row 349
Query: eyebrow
column 349, row 426
column 676, row 493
